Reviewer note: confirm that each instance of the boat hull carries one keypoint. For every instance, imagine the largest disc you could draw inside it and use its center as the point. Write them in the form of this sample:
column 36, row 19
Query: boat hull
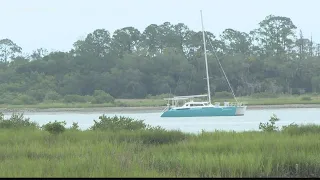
column 240, row 110
column 205, row 111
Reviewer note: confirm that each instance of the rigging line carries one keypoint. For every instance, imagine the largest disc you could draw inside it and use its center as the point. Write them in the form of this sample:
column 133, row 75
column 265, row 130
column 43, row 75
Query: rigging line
column 234, row 96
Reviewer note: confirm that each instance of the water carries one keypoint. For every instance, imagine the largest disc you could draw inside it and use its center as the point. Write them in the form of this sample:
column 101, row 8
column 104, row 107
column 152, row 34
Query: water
column 250, row 121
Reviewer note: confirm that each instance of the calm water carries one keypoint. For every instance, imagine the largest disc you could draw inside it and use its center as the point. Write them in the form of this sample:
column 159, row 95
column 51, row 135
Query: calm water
column 250, row 121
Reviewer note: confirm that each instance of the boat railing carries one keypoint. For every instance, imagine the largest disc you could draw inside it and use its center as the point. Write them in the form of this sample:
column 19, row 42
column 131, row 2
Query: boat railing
column 237, row 104
column 165, row 109
column 216, row 104
column 240, row 104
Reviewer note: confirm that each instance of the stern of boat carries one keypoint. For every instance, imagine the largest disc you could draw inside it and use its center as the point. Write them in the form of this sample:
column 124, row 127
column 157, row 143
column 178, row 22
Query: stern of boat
column 241, row 110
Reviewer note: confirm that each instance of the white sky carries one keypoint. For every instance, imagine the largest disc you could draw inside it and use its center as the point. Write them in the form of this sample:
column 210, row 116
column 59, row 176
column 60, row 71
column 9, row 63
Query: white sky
column 57, row 24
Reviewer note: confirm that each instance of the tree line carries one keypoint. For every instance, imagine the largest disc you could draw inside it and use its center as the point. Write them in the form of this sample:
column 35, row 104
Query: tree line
column 167, row 58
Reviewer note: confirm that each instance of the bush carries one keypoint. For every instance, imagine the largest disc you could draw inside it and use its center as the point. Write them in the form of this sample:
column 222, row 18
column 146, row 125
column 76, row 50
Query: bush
column 16, row 102
column 305, row 98
column 160, row 96
column 6, row 98
column 266, row 127
column 264, row 95
column 142, row 132
column 52, row 96
column 75, row 126
column 55, row 127
column 118, row 123
column 294, row 129
column 161, row 136
column 17, row 99
column 38, row 95
column 25, row 99
column 120, row 104
column 223, row 95
column 73, row 98
column 149, row 136
column 17, row 121
column 101, row 97
column 88, row 98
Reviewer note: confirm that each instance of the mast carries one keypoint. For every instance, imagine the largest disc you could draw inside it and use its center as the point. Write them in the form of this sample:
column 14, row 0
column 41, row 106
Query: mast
column 205, row 57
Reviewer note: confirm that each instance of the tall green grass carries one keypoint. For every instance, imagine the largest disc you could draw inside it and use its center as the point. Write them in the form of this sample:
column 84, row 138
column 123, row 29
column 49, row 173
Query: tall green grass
column 156, row 101
column 144, row 151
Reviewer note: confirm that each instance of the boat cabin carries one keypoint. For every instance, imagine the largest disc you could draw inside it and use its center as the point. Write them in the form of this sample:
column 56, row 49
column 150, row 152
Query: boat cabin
column 185, row 101
column 196, row 104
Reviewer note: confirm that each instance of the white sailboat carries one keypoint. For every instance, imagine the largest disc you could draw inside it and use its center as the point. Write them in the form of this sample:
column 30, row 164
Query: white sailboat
column 190, row 108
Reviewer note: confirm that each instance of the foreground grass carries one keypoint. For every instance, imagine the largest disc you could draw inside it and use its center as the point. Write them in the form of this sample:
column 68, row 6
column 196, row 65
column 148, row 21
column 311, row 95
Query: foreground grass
column 34, row 153
column 124, row 147
column 250, row 101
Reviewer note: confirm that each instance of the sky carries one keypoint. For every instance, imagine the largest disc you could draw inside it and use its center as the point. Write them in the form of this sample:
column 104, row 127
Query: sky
column 57, row 24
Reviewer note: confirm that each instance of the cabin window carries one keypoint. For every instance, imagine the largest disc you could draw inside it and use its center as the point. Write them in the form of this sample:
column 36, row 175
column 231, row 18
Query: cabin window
column 196, row 104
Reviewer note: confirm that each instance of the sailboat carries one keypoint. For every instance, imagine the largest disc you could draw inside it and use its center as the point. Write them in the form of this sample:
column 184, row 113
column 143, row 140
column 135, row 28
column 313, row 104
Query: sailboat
column 192, row 108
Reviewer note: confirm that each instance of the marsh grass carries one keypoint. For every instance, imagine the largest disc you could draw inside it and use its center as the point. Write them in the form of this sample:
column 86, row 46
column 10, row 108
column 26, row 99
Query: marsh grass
column 291, row 151
column 248, row 100
column 104, row 154
column 157, row 101
column 295, row 129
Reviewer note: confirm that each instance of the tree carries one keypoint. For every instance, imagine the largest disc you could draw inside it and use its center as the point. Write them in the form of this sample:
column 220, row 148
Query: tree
column 276, row 34
column 96, row 43
column 8, row 49
column 125, row 40
column 164, row 58
column 236, row 42
column 151, row 40
column 39, row 53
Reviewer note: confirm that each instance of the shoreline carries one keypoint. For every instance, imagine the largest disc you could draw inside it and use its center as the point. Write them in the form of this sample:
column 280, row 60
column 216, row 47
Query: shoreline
column 139, row 109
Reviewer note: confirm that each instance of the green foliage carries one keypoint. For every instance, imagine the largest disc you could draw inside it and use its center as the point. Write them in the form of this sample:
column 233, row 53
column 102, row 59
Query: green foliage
column 144, row 133
column 118, row 123
column 156, row 152
column 38, row 96
column 52, row 96
column 161, row 136
column 74, row 98
column 294, row 129
column 264, row 95
column 269, row 127
column 88, row 98
column 25, row 99
column 75, row 126
column 55, row 127
column 6, row 98
column 160, row 96
column 17, row 99
column 306, row 98
column 223, row 95
column 163, row 58
column 17, row 121
column 209, row 154
column 101, row 97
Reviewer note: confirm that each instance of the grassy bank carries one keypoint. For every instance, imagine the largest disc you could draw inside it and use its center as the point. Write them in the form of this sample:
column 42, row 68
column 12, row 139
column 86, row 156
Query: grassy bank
column 156, row 102
column 281, row 100
column 116, row 147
